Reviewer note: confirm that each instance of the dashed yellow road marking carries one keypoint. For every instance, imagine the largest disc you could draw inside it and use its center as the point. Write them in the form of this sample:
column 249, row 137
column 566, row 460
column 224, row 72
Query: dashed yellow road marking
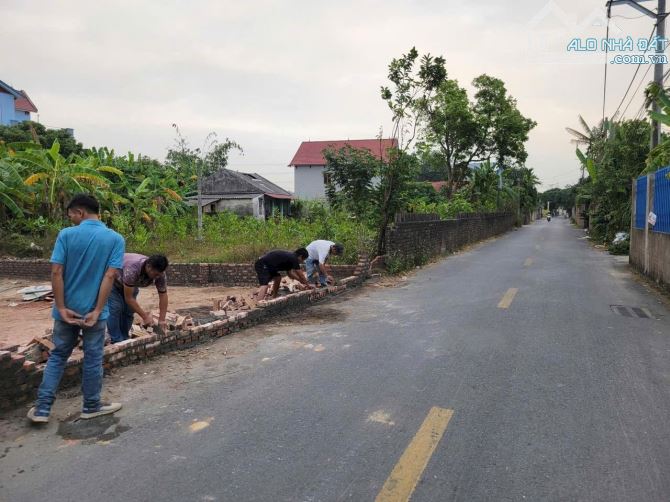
column 404, row 477
column 508, row 298
column 528, row 262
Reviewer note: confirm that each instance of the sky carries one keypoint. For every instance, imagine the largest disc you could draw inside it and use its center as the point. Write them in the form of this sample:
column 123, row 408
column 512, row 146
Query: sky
column 271, row 74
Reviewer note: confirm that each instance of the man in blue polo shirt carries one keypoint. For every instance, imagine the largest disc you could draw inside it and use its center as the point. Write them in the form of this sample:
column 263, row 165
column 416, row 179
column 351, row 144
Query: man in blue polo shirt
column 84, row 263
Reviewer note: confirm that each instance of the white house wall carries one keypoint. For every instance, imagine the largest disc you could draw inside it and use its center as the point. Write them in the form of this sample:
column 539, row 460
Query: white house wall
column 309, row 182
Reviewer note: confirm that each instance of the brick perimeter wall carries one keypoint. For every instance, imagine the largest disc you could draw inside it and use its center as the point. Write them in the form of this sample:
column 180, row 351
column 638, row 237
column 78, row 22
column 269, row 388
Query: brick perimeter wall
column 19, row 378
column 417, row 241
column 179, row 274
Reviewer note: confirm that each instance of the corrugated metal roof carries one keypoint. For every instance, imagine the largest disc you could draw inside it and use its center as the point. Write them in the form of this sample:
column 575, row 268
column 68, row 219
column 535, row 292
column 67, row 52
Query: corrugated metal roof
column 225, row 181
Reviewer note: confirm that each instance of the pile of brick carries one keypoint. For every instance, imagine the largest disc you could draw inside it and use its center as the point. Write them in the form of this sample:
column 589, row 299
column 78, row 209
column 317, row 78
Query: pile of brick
column 37, row 350
column 173, row 320
column 225, row 307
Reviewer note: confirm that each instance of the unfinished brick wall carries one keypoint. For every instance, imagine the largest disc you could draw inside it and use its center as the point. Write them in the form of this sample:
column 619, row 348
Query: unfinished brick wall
column 20, row 378
column 40, row 270
column 423, row 237
column 179, row 274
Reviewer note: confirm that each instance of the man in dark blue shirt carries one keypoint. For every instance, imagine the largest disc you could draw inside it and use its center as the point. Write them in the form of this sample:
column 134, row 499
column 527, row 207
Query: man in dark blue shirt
column 84, row 263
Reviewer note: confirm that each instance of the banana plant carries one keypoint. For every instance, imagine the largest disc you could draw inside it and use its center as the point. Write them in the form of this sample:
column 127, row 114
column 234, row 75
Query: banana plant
column 11, row 186
column 59, row 177
column 588, row 164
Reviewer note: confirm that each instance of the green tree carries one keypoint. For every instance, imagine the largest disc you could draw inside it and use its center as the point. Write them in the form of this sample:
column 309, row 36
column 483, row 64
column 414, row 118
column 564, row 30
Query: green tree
column 32, row 131
column 349, row 187
column 454, row 131
column 614, row 157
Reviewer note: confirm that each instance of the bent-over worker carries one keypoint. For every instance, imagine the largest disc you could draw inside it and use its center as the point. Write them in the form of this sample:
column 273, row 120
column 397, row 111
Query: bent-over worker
column 319, row 251
column 139, row 271
column 269, row 265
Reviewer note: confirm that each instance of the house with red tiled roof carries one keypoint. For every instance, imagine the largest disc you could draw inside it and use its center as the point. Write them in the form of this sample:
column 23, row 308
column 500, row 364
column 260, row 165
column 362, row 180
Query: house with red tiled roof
column 15, row 106
column 309, row 162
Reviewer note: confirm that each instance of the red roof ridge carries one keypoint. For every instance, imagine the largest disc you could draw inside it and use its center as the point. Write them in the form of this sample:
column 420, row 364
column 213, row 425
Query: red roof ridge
column 310, row 153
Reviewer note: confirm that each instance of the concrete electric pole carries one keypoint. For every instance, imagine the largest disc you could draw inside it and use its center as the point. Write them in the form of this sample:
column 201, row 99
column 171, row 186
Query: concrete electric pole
column 659, row 17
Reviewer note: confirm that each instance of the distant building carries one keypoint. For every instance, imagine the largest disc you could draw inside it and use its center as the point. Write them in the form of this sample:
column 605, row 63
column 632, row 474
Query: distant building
column 15, row 106
column 309, row 162
column 245, row 194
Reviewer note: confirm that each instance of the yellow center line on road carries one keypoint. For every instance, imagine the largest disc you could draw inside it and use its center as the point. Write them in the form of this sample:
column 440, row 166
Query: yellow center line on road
column 508, row 298
column 406, row 474
column 528, row 262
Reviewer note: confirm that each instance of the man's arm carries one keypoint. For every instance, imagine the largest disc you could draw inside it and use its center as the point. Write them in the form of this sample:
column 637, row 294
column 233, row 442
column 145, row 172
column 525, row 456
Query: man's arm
column 58, row 288
column 103, row 293
column 299, row 275
column 131, row 301
column 162, row 309
column 275, row 286
column 325, row 270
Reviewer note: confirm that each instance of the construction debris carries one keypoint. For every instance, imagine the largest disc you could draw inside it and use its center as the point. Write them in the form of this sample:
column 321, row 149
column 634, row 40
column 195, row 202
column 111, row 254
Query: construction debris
column 32, row 293
column 224, row 307
column 174, row 320
column 290, row 285
column 38, row 349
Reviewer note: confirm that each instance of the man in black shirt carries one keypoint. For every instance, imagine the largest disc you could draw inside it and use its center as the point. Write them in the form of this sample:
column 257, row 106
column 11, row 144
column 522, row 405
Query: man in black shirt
column 268, row 268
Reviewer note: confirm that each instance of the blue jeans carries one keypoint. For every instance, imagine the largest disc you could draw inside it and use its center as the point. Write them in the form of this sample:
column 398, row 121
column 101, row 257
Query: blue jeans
column 120, row 318
column 311, row 268
column 65, row 338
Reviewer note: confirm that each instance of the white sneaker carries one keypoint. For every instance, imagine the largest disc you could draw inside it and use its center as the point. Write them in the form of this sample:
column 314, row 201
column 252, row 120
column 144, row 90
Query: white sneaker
column 104, row 409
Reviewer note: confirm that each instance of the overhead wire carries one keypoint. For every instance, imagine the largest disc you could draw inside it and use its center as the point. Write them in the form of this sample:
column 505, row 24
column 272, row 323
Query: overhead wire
column 634, row 74
column 623, row 113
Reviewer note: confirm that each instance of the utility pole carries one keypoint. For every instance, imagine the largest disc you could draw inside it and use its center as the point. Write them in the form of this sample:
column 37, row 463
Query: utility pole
column 199, row 173
column 658, row 70
column 659, row 18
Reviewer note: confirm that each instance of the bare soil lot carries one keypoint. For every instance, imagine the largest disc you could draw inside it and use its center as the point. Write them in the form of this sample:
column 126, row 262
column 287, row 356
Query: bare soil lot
column 21, row 321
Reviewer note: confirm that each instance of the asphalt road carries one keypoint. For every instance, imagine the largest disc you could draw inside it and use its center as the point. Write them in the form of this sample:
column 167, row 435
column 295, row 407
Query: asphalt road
column 529, row 386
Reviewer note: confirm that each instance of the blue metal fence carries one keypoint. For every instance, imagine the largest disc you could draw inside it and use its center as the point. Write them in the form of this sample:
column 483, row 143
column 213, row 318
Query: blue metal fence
column 662, row 201
column 641, row 202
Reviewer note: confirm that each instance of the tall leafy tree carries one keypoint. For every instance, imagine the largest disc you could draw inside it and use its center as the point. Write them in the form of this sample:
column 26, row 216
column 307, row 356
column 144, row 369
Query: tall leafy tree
column 350, row 173
column 32, row 131
column 460, row 131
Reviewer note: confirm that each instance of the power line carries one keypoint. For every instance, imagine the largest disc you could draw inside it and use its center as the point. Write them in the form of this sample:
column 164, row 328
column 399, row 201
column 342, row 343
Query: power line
column 634, row 74
column 625, row 17
column 623, row 113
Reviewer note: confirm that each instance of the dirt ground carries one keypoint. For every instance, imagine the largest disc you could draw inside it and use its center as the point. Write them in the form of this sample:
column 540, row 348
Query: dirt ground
column 21, row 321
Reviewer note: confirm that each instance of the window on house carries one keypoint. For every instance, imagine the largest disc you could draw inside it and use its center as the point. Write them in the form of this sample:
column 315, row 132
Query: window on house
column 327, row 178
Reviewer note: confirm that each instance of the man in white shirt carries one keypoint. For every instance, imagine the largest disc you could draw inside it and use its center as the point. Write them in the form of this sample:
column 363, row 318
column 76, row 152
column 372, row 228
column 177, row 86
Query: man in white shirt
column 319, row 251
